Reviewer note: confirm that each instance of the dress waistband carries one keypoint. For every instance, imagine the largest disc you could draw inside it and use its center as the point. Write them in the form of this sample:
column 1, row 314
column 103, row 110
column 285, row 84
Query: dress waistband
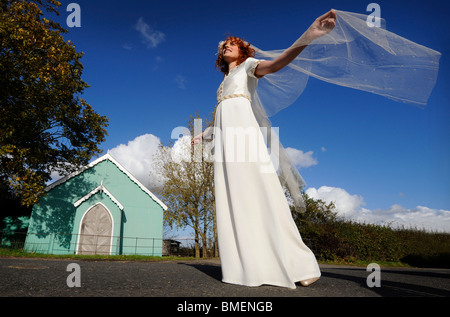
column 233, row 96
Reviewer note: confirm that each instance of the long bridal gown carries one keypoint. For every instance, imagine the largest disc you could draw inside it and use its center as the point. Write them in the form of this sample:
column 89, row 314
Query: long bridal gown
column 259, row 242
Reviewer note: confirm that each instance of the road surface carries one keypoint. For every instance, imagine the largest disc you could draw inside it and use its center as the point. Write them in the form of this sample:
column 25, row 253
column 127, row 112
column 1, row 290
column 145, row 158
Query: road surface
column 32, row 277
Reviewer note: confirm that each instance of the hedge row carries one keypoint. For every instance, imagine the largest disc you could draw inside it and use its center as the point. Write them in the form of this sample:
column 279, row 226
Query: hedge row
column 337, row 239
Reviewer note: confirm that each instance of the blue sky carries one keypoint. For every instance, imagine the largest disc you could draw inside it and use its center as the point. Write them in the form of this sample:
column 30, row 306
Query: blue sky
column 150, row 65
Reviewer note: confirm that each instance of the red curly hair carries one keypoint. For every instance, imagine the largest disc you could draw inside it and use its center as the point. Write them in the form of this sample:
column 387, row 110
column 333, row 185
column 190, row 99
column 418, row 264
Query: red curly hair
column 245, row 51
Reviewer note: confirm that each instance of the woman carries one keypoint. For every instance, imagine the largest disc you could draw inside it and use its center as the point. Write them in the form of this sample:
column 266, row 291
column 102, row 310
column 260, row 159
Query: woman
column 259, row 242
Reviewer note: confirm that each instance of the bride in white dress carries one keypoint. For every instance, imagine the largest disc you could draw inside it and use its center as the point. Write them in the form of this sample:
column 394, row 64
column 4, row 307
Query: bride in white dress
column 259, row 242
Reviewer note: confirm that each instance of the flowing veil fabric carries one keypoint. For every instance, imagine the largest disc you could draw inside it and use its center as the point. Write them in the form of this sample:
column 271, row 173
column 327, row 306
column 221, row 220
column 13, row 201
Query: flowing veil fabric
column 354, row 54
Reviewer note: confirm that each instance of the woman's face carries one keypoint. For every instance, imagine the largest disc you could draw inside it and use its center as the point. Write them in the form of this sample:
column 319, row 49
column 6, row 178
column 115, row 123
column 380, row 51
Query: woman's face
column 230, row 51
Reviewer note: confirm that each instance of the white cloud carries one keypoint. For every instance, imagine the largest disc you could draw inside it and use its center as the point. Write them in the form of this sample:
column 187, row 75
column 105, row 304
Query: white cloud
column 137, row 157
column 55, row 175
column 346, row 205
column 152, row 38
column 300, row 158
column 419, row 217
column 181, row 149
column 180, row 81
column 351, row 207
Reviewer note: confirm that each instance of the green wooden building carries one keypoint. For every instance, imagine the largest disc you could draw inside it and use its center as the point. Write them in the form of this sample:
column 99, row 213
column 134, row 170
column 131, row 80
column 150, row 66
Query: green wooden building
column 100, row 209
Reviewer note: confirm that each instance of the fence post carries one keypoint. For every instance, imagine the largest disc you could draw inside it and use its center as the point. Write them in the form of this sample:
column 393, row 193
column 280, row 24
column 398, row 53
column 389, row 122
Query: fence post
column 75, row 235
column 50, row 244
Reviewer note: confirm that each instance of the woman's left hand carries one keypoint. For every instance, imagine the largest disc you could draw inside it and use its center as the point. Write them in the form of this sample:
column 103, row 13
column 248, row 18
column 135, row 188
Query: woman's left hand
column 322, row 25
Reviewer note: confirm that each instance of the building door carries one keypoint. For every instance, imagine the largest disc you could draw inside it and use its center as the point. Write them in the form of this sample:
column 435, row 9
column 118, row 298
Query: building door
column 96, row 231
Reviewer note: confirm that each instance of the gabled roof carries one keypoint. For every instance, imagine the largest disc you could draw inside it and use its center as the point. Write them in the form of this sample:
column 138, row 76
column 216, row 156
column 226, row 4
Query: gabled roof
column 119, row 166
column 100, row 188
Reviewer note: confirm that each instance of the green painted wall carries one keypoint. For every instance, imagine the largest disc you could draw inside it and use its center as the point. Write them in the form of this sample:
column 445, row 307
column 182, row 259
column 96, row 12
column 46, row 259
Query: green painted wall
column 13, row 230
column 55, row 222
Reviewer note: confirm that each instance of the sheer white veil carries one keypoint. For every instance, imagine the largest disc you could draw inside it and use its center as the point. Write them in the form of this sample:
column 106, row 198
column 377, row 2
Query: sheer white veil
column 356, row 55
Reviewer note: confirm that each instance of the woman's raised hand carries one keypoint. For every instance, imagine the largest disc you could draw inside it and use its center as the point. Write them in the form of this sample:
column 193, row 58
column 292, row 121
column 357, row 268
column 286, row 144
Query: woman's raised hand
column 322, row 25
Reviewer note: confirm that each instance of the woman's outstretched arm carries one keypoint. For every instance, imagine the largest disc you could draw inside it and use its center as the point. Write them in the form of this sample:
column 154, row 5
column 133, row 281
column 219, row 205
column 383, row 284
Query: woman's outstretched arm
column 321, row 26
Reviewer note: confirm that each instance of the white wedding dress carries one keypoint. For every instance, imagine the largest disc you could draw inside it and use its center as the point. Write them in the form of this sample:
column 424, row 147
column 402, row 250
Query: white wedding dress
column 259, row 242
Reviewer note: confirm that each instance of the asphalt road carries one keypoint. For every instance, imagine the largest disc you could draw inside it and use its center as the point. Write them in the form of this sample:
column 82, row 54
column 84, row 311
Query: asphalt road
column 24, row 277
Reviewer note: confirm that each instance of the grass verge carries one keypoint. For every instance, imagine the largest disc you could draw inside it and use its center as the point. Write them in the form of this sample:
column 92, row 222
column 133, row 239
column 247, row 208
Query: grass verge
column 22, row 254
column 19, row 253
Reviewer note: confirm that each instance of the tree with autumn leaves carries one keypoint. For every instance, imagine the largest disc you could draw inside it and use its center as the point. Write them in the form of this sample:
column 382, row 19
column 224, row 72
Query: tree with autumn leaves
column 45, row 125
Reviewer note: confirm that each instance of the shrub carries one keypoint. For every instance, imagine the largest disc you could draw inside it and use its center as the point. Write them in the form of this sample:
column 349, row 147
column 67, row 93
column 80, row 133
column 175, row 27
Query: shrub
column 336, row 239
